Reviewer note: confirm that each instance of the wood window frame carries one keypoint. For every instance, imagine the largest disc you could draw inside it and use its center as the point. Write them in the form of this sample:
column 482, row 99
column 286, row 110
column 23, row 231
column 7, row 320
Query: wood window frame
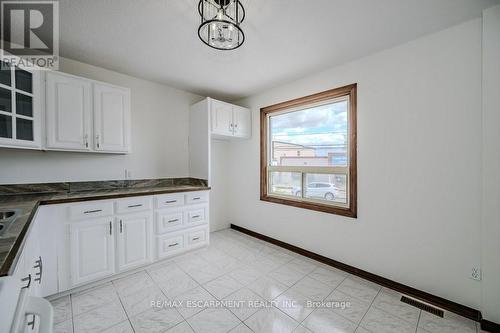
column 351, row 92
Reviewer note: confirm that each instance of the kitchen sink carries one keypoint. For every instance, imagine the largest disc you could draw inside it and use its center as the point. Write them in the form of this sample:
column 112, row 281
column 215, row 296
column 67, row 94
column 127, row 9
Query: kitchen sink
column 7, row 217
column 6, row 214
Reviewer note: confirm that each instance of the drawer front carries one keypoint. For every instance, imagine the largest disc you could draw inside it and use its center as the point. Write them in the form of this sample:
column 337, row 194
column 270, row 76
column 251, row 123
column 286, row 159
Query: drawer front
column 91, row 210
column 195, row 216
column 167, row 244
column 133, row 205
column 196, row 197
column 196, row 237
column 169, row 200
column 168, row 221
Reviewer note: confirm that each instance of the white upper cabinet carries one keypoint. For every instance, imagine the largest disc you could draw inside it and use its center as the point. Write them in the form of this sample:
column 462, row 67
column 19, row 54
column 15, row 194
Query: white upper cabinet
column 241, row 122
column 68, row 112
column 222, row 118
column 111, row 118
column 85, row 115
column 20, row 107
column 229, row 121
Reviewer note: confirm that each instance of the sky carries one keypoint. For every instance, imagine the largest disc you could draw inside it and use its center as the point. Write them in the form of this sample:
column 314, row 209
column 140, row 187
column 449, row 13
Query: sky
column 316, row 127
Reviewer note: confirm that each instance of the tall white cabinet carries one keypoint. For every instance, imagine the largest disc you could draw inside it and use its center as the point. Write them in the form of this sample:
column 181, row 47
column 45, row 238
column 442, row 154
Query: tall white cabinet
column 209, row 120
column 86, row 115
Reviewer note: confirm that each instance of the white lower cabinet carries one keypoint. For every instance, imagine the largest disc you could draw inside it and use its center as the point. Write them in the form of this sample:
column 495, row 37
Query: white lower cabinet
column 92, row 250
column 133, row 240
column 69, row 245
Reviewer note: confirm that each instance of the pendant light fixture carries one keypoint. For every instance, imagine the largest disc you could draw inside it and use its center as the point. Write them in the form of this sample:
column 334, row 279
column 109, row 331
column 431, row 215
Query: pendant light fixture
column 220, row 23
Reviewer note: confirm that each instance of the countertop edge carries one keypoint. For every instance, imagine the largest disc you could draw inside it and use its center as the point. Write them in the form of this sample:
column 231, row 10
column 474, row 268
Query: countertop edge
column 12, row 258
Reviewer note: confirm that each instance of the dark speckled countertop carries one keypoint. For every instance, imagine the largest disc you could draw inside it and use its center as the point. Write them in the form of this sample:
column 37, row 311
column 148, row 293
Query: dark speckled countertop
column 27, row 197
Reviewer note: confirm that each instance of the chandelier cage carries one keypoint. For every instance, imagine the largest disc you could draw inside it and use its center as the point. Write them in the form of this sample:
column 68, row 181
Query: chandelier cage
column 220, row 23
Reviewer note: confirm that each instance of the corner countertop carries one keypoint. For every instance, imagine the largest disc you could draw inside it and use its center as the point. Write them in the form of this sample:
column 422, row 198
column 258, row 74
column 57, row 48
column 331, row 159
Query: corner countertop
column 27, row 198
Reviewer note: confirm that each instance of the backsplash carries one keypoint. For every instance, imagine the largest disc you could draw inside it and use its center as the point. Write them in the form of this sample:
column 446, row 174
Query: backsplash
column 15, row 189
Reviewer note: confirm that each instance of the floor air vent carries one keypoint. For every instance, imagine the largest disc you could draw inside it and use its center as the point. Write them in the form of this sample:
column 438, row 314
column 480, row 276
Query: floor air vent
column 423, row 306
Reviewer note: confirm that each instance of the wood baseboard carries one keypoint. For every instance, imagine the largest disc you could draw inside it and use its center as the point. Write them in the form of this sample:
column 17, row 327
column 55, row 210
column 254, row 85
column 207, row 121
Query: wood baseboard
column 490, row 326
column 443, row 303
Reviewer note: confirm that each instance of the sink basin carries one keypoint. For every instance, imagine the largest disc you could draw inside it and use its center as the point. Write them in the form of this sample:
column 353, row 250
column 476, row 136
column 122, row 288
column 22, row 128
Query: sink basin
column 7, row 217
column 6, row 214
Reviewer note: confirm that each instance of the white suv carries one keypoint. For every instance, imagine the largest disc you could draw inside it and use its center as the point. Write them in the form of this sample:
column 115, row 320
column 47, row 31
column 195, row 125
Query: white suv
column 321, row 190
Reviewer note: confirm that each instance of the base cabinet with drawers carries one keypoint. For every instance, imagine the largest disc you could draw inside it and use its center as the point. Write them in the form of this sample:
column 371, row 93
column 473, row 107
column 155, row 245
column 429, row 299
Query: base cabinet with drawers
column 70, row 245
column 107, row 237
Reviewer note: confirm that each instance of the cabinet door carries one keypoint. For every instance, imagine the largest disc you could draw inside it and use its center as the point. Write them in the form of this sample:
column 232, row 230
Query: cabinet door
column 222, row 118
column 134, row 240
column 92, row 250
column 242, row 122
column 111, row 118
column 20, row 123
column 68, row 112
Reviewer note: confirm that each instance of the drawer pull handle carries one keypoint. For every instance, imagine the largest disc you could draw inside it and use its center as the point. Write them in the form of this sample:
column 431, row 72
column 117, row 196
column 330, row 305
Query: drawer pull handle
column 175, row 244
column 28, row 278
column 197, row 198
column 195, row 216
column 39, row 265
column 172, row 221
column 171, row 201
column 196, row 238
column 135, row 206
column 32, row 322
column 92, row 211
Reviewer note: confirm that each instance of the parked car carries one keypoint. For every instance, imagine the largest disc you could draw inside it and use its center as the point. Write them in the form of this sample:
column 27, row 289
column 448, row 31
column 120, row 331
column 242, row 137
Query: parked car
column 322, row 190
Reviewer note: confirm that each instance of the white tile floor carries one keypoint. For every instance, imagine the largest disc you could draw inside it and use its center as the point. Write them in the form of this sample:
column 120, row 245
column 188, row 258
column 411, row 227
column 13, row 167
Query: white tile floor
column 245, row 272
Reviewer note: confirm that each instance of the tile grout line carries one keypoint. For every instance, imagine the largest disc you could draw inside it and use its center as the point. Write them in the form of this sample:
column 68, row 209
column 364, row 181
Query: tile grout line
column 418, row 321
column 72, row 313
column 371, row 304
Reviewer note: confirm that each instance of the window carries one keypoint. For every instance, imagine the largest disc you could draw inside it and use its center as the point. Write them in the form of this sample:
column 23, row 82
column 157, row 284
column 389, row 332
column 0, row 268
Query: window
column 308, row 152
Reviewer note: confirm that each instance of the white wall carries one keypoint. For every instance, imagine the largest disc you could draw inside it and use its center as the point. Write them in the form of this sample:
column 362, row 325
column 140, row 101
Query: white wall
column 419, row 167
column 160, row 116
column 490, row 231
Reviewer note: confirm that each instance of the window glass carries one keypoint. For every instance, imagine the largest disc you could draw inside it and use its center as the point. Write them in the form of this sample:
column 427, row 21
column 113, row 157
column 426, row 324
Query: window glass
column 24, row 105
column 24, row 80
column 315, row 136
column 5, row 100
column 286, row 183
column 5, row 126
column 328, row 187
column 24, row 129
column 5, row 73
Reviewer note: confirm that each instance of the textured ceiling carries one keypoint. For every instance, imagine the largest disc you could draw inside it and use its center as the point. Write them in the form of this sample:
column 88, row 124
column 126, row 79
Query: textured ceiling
column 285, row 39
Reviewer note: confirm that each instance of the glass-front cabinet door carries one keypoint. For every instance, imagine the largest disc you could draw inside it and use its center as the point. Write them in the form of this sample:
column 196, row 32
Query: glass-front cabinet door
column 19, row 107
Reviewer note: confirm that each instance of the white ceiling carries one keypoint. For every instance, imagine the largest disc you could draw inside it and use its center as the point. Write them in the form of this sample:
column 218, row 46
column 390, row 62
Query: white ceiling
column 285, row 39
